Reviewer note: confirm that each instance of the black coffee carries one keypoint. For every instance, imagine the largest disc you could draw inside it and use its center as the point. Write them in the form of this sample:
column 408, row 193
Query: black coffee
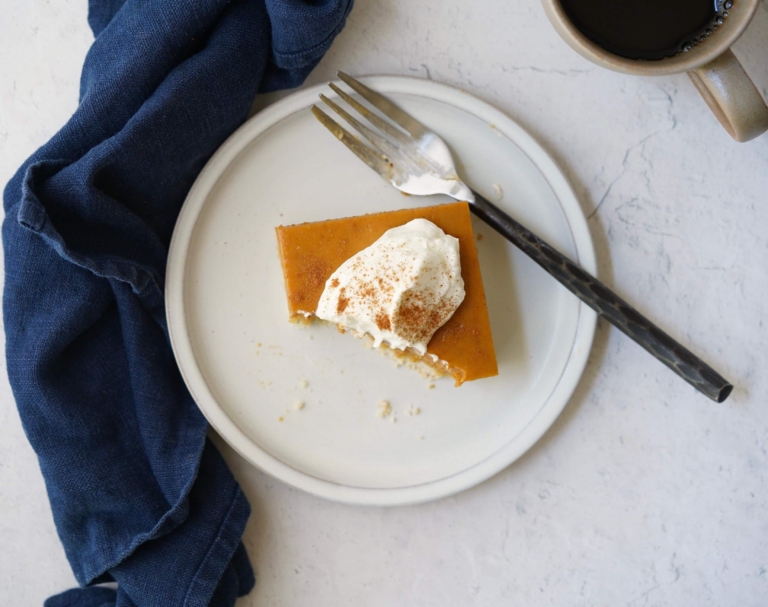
column 647, row 29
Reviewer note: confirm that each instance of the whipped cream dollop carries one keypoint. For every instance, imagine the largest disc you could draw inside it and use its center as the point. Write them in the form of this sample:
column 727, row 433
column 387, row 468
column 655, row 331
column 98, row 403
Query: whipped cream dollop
column 400, row 290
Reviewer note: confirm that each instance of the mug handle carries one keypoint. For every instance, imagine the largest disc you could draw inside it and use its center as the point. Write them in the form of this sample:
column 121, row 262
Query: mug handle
column 732, row 96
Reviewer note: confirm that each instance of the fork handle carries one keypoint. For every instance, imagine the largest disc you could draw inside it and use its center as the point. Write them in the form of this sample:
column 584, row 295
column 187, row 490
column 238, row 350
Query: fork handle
column 606, row 303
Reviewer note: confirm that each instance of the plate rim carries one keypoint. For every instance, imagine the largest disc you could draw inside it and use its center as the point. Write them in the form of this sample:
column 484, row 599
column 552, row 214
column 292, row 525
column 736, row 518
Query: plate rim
column 229, row 430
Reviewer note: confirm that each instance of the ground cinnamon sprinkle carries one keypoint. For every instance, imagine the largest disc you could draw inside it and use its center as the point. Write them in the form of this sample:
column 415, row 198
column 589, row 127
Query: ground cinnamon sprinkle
column 383, row 285
column 417, row 322
column 370, row 293
column 416, row 319
column 366, row 290
column 316, row 273
column 343, row 302
column 382, row 321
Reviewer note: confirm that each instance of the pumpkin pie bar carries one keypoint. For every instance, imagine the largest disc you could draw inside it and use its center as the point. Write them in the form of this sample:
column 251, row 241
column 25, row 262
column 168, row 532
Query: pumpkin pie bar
column 312, row 252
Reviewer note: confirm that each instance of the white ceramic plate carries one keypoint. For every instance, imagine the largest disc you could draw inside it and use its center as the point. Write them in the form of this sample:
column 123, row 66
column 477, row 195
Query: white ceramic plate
column 245, row 363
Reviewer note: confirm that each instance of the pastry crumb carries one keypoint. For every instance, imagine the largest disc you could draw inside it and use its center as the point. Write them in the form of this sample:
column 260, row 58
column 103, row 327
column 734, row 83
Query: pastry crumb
column 298, row 405
column 281, row 419
column 383, row 409
column 431, row 386
column 413, row 410
column 393, row 419
column 479, row 236
column 498, row 192
column 303, row 383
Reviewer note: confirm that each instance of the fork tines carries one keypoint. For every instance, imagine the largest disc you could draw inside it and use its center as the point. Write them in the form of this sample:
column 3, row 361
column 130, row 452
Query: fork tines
column 388, row 142
column 384, row 105
column 374, row 159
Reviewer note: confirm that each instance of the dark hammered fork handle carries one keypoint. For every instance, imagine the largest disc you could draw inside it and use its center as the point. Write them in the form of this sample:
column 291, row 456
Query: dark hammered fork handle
column 606, row 303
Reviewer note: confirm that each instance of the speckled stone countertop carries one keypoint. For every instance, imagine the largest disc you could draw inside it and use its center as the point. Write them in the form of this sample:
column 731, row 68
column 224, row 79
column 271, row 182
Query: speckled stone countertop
column 644, row 492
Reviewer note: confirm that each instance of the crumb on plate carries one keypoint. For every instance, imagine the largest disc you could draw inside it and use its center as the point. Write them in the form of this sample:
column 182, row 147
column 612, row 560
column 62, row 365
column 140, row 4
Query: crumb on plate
column 383, row 409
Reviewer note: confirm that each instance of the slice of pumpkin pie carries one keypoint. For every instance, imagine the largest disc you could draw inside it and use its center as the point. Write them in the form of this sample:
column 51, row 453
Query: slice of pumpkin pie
column 409, row 279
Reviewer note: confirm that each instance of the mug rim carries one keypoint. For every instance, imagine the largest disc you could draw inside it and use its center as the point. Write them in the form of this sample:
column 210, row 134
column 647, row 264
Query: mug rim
column 727, row 34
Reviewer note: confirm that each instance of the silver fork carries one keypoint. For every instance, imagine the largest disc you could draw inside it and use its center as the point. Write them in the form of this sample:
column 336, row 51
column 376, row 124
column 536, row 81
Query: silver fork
column 417, row 161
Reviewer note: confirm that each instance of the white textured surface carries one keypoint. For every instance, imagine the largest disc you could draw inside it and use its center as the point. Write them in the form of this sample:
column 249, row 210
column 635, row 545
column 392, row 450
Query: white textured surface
column 643, row 493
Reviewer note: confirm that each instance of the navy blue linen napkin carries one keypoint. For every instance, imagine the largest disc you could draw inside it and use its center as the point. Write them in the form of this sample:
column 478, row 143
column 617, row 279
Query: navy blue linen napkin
column 139, row 496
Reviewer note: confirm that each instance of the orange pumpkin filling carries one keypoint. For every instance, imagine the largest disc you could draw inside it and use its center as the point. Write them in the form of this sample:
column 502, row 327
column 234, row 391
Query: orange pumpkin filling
column 311, row 252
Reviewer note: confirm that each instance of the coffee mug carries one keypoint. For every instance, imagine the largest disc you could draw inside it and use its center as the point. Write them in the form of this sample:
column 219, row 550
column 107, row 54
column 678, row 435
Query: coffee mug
column 711, row 65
